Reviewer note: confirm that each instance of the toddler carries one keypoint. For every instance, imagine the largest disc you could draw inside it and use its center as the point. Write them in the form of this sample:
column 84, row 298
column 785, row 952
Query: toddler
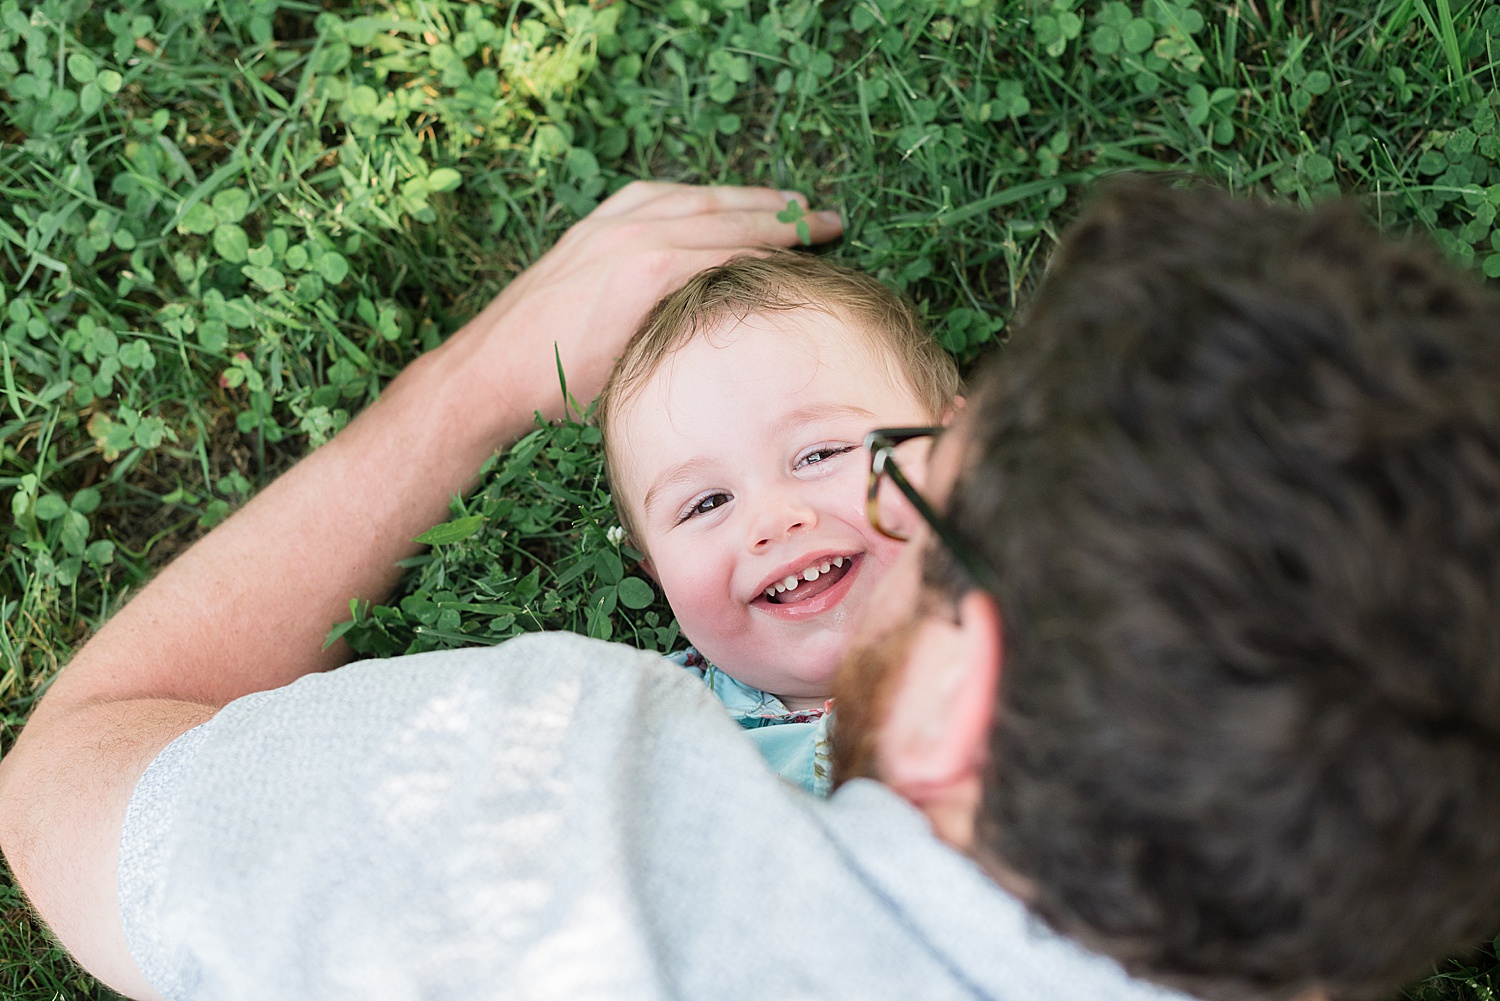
column 733, row 427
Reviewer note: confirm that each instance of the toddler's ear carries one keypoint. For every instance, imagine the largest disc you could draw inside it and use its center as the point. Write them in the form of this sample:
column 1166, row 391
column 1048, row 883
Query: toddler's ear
column 649, row 570
column 953, row 410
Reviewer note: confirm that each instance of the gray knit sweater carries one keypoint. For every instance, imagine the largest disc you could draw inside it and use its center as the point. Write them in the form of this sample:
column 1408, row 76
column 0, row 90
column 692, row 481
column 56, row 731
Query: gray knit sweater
column 551, row 818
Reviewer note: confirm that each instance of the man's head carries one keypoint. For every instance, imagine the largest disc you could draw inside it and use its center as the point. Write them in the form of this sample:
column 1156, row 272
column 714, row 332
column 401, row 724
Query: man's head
column 1239, row 478
column 732, row 429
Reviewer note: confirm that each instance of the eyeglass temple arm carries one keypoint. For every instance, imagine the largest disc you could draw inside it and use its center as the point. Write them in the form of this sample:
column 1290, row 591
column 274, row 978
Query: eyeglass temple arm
column 980, row 572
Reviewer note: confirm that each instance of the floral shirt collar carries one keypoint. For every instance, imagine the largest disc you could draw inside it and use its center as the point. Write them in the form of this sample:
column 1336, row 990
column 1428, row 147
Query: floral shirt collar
column 750, row 707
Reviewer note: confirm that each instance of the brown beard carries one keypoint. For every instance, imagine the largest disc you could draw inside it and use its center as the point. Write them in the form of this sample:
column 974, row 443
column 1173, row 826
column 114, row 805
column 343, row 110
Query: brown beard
column 862, row 692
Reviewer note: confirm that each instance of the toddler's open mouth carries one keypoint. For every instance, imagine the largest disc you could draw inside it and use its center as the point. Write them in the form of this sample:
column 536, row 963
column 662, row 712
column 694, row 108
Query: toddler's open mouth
column 810, row 582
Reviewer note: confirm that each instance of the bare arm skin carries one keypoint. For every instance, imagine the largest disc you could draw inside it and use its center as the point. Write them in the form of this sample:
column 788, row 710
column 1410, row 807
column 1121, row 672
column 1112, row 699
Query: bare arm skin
column 246, row 608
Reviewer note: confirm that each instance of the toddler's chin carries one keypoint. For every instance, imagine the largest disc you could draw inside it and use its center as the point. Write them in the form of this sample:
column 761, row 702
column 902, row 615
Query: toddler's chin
column 799, row 671
column 815, row 685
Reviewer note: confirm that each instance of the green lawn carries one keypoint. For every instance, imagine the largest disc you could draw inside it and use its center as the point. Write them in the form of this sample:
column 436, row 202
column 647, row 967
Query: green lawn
column 224, row 223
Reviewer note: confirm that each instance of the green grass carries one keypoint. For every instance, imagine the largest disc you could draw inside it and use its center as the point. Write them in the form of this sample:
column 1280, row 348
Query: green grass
column 224, row 223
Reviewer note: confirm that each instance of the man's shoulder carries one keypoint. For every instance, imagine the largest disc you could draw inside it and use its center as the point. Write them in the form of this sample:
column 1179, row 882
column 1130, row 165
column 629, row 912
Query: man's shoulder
column 556, row 648
column 491, row 770
column 530, row 661
column 573, row 696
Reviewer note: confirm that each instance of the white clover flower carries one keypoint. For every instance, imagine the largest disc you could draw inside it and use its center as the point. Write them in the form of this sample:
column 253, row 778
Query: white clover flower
column 615, row 535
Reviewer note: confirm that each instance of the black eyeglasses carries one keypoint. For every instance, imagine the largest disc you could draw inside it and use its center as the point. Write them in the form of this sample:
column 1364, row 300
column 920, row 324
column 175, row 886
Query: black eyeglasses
column 885, row 512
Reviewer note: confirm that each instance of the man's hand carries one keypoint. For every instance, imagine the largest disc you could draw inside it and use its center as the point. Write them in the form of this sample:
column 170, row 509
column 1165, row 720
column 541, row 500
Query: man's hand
column 587, row 294
column 247, row 607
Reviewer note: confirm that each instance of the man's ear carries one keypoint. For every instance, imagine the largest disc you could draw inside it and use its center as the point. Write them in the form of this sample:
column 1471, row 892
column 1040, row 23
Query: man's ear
column 952, row 410
column 935, row 742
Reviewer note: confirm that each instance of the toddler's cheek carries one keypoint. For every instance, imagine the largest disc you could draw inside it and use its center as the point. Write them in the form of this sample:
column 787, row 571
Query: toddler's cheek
column 882, row 553
column 702, row 606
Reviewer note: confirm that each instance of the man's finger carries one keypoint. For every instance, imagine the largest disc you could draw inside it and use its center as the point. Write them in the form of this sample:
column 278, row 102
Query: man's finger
column 707, row 201
column 751, row 228
column 648, row 200
column 633, row 196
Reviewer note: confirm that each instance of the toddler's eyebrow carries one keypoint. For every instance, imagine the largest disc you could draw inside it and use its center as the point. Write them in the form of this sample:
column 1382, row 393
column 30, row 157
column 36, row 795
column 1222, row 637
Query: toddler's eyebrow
column 822, row 411
column 674, row 475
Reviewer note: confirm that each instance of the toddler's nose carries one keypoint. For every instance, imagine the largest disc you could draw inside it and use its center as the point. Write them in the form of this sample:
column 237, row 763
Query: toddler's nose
column 778, row 519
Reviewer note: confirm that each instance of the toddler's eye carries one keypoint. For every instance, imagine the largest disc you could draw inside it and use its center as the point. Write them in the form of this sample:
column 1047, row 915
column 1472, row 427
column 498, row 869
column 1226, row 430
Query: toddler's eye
column 705, row 504
column 823, row 454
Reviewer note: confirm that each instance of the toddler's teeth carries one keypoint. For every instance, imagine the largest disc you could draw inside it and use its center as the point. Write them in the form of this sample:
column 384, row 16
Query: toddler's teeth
column 810, row 574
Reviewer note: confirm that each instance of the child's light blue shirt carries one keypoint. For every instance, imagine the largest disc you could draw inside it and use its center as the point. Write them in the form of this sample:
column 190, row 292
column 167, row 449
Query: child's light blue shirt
column 794, row 744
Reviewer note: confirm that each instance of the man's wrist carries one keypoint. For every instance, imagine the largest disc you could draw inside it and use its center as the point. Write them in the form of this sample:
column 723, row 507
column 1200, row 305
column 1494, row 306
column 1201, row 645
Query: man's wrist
column 503, row 367
column 481, row 384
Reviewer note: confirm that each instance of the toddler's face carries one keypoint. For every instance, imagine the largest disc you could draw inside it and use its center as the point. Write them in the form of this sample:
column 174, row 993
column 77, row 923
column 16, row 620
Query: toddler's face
column 741, row 464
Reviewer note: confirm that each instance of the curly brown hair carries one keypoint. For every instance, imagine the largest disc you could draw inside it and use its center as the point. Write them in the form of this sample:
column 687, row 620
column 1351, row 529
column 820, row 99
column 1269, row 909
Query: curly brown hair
column 1239, row 476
